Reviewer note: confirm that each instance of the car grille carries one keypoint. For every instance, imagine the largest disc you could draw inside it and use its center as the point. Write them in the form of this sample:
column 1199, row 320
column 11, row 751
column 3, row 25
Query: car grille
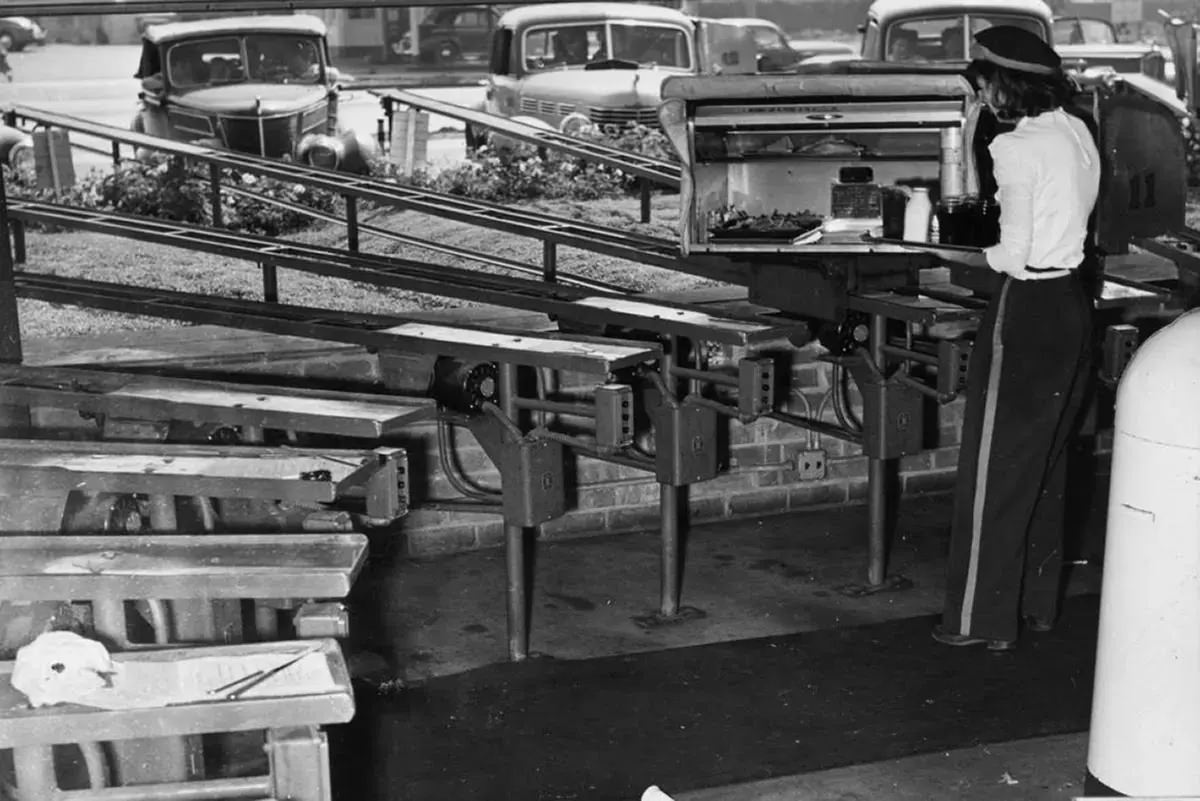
column 531, row 105
column 622, row 117
column 242, row 134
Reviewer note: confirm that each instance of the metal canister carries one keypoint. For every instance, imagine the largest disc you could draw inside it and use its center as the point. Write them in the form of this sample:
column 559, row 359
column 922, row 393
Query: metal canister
column 952, row 162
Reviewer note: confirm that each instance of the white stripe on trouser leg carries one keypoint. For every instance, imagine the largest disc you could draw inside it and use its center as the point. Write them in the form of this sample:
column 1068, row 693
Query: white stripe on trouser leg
column 982, row 459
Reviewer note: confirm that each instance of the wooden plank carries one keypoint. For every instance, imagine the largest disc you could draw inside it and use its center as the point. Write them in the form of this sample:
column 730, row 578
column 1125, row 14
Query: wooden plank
column 71, row 723
column 692, row 322
column 207, row 567
column 158, row 398
column 559, row 352
column 278, row 473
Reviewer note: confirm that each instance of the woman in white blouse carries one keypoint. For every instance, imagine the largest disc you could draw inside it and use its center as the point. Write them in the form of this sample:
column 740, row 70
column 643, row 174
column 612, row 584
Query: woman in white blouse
column 1032, row 357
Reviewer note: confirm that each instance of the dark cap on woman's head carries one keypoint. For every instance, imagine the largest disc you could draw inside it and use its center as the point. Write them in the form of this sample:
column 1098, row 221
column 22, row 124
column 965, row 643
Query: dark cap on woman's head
column 1017, row 49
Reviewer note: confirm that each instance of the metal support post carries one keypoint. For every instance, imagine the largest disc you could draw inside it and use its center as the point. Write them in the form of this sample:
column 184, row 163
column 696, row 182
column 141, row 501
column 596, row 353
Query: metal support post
column 644, row 188
column 33, row 767
column 14, row 420
column 214, row 191
column 668, row 508
column 514, row 541
column 352, row 223
column 549, row 261
column 299, row 760
column 10, row 325
column 270, row 279
column 20, row 256
column 877, row 473
column 116, row 155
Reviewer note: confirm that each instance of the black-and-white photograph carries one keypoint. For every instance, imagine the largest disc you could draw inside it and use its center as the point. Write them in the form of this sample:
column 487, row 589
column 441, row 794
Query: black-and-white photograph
column 674, row 400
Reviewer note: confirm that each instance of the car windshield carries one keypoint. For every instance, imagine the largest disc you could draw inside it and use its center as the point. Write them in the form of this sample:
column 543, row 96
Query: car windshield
column 768, row 38
column 945, row 38
column 580, row 44
column 262, row 58
column 1077, row 31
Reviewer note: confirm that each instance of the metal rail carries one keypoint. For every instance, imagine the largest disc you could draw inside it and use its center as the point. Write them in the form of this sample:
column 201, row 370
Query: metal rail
column 656, row 170
column 425, row 244
column 591, row 307
column 326, row 324
column 564, row 231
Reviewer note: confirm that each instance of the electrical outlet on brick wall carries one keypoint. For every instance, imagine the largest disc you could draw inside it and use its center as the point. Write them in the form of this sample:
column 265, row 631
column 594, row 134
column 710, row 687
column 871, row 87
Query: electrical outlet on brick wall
column 810, row 464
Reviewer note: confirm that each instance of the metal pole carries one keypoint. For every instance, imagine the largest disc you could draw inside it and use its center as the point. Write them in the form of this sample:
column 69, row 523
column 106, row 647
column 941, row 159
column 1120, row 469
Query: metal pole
column 214, row 190
column 514, row 542
column 877, row 474
column 270, row 282
column 644, row 187
column 549, row 261
column 33, row 766
column 668, row 505
column 116, row 154
column 10, row 326
column 18, row 241
column 352, row 223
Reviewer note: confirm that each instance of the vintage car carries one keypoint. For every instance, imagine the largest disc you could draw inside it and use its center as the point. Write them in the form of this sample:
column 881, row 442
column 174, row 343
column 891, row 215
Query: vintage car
column 1091, row 42
column 941, row 31
column 567, row 66
column 261, row 85
column 771, row 46
column 451, row 34
column 17, row 33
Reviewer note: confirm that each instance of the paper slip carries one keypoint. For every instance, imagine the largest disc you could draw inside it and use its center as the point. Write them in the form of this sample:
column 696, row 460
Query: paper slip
column 143, row 684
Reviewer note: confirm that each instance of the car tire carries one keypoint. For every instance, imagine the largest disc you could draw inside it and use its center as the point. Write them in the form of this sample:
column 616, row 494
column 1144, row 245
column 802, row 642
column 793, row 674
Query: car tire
column 475, row 139
column 447, row 53
column 6, row 39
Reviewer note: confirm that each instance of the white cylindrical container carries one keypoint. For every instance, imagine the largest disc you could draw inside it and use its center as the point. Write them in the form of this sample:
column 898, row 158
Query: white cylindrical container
column 1145, row 732
column 917, row 214
column 952, row 167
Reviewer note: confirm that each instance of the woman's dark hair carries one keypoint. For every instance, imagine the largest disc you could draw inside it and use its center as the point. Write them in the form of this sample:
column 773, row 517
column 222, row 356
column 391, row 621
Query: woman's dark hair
column 1024, row 94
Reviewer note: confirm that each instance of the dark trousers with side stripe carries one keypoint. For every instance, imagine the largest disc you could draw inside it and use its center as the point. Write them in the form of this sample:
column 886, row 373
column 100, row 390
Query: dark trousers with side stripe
column 1026, row 383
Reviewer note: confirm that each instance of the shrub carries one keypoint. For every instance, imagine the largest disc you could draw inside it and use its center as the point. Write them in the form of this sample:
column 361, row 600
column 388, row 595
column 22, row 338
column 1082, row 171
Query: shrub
column 171, row 188
column 520, row 172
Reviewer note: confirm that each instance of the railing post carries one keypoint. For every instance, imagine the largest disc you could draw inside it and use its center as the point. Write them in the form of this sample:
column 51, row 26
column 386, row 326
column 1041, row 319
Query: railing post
column 10, row 324
column 270, row 282
column 116, row 154
column 352, row 223
column 214, row 190
column 549, row 261
column 644, row 186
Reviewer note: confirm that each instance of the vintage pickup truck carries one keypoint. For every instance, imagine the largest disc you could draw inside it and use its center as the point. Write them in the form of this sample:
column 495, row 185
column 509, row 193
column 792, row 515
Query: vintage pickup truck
column 261, row 85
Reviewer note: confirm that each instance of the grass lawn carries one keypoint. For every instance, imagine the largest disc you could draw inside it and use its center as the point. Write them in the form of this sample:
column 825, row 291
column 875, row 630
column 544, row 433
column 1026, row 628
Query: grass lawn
column 106, row 258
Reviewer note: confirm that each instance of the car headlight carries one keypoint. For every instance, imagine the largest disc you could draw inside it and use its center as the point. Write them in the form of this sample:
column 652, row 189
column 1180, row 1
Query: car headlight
column 321, row 150
column 21, row 160
column 575, row 124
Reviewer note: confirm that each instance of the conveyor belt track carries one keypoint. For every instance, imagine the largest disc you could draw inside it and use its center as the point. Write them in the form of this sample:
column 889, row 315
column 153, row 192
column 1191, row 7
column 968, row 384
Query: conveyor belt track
column 559, row 230
column 374, row 332
column 573, row 303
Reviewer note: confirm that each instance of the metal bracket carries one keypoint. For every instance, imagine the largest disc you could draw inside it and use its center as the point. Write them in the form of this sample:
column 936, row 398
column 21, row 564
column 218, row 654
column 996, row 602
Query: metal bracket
column 299, row 760
column 531, row 469
column 756, row 387
column 1120, row 342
